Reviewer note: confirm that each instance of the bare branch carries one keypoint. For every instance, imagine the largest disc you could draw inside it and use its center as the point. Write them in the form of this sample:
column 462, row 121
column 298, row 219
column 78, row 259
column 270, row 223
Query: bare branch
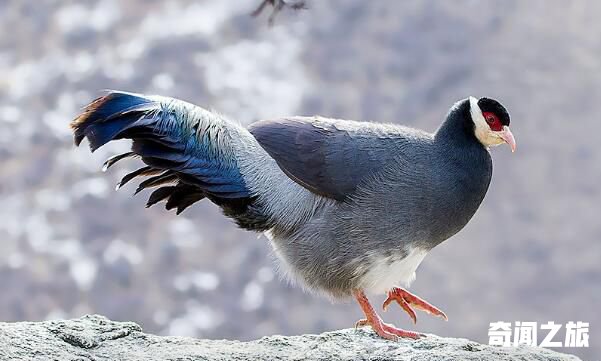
column 278, row 5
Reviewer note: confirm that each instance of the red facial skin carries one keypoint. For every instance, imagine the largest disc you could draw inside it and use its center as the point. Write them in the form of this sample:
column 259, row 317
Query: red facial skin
column 493, row 121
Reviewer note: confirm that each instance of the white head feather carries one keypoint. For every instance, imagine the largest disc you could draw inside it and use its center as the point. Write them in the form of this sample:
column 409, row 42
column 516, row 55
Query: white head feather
column 485, row 135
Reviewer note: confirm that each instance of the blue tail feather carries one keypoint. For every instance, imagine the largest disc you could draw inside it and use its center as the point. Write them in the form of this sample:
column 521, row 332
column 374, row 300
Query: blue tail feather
column 104, row 118
column 167, row 137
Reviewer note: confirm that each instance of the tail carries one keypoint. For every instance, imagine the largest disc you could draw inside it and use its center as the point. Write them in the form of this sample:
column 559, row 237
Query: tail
column 189, row 152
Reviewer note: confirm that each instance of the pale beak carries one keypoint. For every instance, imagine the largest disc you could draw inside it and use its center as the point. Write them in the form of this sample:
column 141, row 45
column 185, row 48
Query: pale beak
column 507, row 136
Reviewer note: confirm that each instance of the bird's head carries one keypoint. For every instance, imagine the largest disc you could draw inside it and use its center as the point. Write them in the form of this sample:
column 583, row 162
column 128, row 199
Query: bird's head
column 491, row 122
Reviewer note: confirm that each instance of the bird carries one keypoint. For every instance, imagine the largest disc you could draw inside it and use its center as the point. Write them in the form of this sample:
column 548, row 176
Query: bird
column 350, row 208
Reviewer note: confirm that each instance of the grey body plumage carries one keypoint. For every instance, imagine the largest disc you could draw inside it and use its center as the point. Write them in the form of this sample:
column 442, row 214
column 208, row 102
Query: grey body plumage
column 341, row 201
column 412, row 190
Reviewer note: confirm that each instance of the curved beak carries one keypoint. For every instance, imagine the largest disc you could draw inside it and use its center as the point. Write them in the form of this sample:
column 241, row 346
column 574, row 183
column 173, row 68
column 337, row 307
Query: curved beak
column 507, row 136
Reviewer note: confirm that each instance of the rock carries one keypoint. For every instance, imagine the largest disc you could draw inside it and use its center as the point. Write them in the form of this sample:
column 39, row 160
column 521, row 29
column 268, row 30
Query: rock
column 98, row 338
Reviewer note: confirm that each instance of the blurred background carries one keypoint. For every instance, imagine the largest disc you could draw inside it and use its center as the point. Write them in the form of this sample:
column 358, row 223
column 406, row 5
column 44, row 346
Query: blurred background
column 71, row 245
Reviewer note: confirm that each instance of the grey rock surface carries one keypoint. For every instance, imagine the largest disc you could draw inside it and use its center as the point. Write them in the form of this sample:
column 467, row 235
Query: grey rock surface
column 98, row 338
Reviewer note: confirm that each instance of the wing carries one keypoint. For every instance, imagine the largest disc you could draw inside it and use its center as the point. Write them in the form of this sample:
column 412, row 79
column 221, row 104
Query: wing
column 329, row 157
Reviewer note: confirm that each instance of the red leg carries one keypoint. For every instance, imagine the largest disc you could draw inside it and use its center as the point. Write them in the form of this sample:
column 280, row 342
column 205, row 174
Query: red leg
column 406, row 300
column 372, row 319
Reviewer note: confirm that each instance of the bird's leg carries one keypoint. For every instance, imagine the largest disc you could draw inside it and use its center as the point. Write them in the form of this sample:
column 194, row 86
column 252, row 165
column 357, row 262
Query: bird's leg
column 406, row 300
column 372, row 319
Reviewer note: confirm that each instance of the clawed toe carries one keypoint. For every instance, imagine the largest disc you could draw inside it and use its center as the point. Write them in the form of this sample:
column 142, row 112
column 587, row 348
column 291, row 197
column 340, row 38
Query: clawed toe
column 361, row 323
column 387, row 331
column 372, row 319
column 404, row 305
column 402, row 333
column 406, row 300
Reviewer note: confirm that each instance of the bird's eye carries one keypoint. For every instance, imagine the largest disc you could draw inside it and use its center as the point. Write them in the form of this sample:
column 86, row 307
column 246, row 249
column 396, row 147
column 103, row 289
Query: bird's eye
column 493, row 121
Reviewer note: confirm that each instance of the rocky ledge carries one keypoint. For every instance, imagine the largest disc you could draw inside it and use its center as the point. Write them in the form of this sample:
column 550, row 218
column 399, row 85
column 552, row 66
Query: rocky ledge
column 98, row 338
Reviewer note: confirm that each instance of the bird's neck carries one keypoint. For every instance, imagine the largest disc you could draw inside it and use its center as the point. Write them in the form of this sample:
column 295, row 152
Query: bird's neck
column 466, row 173
column 458, row 148
column 457, row 131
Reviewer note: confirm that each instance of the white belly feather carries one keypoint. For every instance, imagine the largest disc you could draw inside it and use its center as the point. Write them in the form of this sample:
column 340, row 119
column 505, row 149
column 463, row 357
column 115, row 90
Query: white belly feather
column 384, row 273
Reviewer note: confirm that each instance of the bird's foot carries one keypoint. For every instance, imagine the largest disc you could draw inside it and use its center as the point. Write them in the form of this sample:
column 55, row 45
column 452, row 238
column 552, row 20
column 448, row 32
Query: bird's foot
column 386, row 331
column 406, row 300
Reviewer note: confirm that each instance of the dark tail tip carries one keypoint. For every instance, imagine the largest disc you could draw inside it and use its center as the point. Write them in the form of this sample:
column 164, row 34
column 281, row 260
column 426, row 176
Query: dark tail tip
column 106, row 117
column 80, row 123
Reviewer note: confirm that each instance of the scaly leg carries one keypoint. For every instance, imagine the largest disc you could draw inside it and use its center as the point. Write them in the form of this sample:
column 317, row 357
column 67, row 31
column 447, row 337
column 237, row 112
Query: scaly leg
column 406, row 300
column 372, row 319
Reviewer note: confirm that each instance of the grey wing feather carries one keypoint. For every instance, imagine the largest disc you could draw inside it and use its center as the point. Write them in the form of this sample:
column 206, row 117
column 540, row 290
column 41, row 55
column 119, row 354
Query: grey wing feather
column 328, row 157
